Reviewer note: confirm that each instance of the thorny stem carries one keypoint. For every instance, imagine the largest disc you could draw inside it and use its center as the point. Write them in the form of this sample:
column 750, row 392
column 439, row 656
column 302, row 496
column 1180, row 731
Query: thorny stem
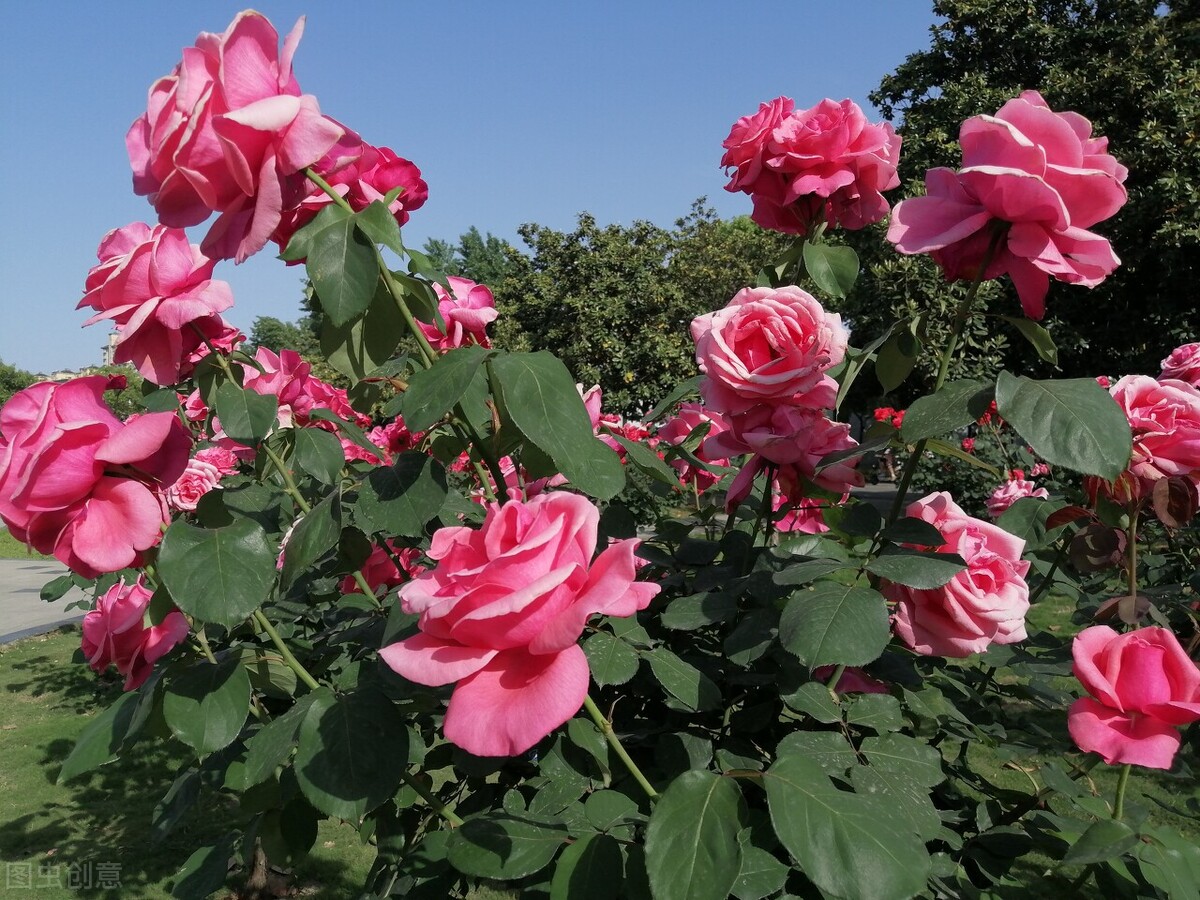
column 961, row 315
column 293, row 663
column 606, row 729
column 433, row 802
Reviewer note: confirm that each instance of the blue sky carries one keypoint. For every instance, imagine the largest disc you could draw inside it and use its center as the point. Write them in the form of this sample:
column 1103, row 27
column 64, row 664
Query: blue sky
column 515, row 112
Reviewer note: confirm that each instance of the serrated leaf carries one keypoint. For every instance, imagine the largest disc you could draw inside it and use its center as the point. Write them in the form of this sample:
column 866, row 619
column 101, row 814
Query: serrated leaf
column 846, row 843
column 363, row 344
column 683, row 681
column 611, row 660
column 378, row 223
column 809, row 571
column 832, row 268
column 205, row 870
column 205, row 706
column 834, row 624
column 504, row 847
column 314, row 535
column 924, row 571
column 1103, row 840
column 272, row 744
column 100, row 739
column 218, row 575
column 589, row 869
column 319, row 453
column 692, row 850
column 957, row 404
column 402, row 498
column 433, row 392
column 341, row 263
column 1072, row 422
column 246, row 417
column 828, row 749
column 1038, row 336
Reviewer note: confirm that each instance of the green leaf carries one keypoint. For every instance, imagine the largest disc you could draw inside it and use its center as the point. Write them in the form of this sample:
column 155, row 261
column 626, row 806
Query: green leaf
column 504, row 847
column 957, row 404
column 681, row 390
column 813, row 699
column 342, row 266
column 604, row 809
column 205, row 870
column 611, row 660
column 760, row 875
column 315, row 534
column 351, row 752
column 880, row 712
column 832, row 268
column 835, row 625
column 218, row 575
column 1171, row 862
column 349, row 430
column 540, row 396
column 378, row 223
column 809, row 571
column 100, row 739
column 272, row 744
column 1073, row 423
column 924, row 571
column 1104, row 839
column 849, row 845
column 943, row 448
column 904, row 755
column 683, row 681
column 177, row 803
column 828, row 749
column 403, row 497
column 589, row 869
column 205, row 706
column 910, row 800
column 245, row 416
column 364, row 343
column 856, row 361
column 907, row 530
column 648, row 461
column 692, row 849
column 896, row 359
column 1038, row 336
column 434, row 391
column 319, row 453
column 697, row 610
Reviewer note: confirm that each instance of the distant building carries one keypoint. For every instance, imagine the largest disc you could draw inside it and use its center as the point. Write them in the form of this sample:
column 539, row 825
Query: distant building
column 107, row 358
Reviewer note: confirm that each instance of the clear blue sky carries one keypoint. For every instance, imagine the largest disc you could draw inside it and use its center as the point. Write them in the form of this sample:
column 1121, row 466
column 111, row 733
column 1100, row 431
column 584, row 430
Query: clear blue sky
column 515, row 112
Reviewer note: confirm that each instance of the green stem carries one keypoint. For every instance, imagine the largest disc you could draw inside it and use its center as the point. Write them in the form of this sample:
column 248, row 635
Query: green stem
column 961, row 316
column 832, row 683
column 606, row 729
column 1122, row 783
column 289, row 483
column 293, row 663
column 202, row 639
column 433, row 802
column 1128, row 606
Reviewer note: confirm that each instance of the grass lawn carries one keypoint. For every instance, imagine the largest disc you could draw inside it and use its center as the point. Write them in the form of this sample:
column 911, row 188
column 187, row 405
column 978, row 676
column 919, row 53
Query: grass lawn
column 11, row 548
column 104, row 816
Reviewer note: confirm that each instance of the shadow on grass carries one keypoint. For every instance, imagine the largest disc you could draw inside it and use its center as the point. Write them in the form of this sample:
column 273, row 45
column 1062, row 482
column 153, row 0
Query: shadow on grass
column 99, row 822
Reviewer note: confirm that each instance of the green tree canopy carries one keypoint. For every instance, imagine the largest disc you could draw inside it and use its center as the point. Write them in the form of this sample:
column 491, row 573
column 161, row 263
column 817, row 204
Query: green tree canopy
column 1133, row 68
column 12, row 380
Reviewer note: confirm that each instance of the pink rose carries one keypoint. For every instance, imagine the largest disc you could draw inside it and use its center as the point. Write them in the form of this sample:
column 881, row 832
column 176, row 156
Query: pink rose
column 983, row 604
column 361, row 174
column 78, row 483
column 1039, row 470
column 197, row 480
column 687, row 419
column 592, row 399
column 968, row 444
column 228, row 131
column 1164, row 417
column 466, row 312
column 501, row 614
column 158, row 291
column 382, row 572
column 1032, row 182
column 1142, row 685
column 221, row 458
column 824, row 164
column 1005, row 495
column 769, row 345
column 807, row 516
column 1183, row 364
column 115, row 633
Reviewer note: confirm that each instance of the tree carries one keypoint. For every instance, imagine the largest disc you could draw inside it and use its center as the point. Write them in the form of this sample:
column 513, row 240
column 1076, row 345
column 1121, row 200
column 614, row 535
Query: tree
column 12, row 380
column 484, row 259
column 1133, row 68
column 615, row 302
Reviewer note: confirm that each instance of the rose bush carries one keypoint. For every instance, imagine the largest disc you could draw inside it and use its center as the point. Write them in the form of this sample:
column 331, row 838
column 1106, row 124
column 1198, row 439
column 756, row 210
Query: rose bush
column 427, row 605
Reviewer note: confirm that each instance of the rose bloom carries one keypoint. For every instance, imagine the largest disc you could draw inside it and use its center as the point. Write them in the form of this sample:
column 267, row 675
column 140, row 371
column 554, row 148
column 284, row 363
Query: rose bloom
column 1032, row 182
column 115, row 633
column 501, row 614
column 983, row 604
column 197, row 480
column 687, row 419
column 78, row 483
column 228, row 131
column 360, row 174
column 802, row 167
column 381, row 572
column 1005, row 495
column 158, row 291
column 1039, row 470
column 466, row 312
column 769, row 345
column 968, row 444
column 1142, row 685
column 804, row 517
column 1183, row 364
column 1164, row 417
column 221, row 458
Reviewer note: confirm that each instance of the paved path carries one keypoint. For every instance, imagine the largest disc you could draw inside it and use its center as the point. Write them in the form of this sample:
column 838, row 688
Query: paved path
column 22, row 610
